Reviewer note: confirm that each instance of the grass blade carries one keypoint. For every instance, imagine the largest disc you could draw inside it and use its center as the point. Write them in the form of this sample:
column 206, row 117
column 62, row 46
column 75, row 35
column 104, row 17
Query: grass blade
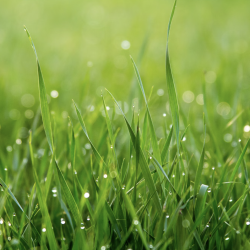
column 43, row 98
column 171, row 87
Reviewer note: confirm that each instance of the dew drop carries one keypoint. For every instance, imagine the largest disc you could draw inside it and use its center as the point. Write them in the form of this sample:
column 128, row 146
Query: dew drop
column 209, row 190
column 170, row 193
column 9, row 148
column 14, row 214
column 183, row 173
column 136, row 222
column 82, row 225
column 103, row 248
column 247, row 128
column 248, row 222
column 18, row 141
column 185, row 223
column 62, row 221
column 86, row 195
column 1, row 221
column 88, row 218
column 54, row 93
column 227, row 238
column 167, row 216
column 9, row 224
column 230, row 200
column 9, row 238
column 44, row 229
column 105, row 176
column 164, row 114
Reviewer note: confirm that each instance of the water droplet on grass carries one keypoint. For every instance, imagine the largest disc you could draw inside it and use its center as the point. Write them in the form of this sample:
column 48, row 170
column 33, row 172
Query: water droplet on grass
column 82, row 225
column 14, row 214
column 44, row 230
column 54, row 93
column 227, row 238
column 136, row 222
column 1, row 221
column 86, row 195
column 88, row 218
column 105, row 176
column 18, row 141
column 9, row 148
column 62, row 221
column 246, row 128
column 185, row 223
column 9, row 224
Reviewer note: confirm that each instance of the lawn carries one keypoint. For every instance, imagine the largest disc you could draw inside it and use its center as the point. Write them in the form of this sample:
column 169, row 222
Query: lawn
column 122, row 143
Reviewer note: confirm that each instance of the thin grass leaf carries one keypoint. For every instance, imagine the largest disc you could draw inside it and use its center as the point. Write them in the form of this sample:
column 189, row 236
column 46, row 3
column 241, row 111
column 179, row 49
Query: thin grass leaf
column 42, row 203
column 143, row 163
column 166, row 146
column 43, row 98
column 171, row 86
column 155, row 145
column 97, row 155
column 236, row 167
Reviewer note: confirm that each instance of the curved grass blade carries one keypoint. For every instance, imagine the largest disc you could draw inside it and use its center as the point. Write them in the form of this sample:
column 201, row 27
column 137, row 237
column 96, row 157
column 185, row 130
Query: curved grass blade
column 236, row 167
column 143, row 163
column 97, row 155
column 201, row 199
column 151, row 126
column 171, row 87
column 42, row 202
column 43, row 98
column 166, row 146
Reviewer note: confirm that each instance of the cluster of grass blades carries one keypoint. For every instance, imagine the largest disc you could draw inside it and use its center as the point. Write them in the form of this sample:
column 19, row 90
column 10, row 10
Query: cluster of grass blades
column 148, row 200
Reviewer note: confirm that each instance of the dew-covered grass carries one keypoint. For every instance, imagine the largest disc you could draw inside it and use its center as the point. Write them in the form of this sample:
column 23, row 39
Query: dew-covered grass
column 136, row 172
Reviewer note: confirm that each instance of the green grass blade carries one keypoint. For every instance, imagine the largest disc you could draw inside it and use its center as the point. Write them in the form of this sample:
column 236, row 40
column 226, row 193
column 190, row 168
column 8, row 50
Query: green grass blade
column 166, row 146
column 43, row 205
column 171, row 86
column 151, row 126
column 43, row 98
column 97, row 155
column 143, row 163
column 236, row 167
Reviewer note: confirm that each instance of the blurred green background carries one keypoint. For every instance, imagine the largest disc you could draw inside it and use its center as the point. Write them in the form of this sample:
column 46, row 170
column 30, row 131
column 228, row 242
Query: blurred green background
column 84, row 47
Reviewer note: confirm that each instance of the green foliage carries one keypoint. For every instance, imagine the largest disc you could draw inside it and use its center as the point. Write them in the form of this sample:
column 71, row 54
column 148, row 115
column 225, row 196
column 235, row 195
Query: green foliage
column 115, row 186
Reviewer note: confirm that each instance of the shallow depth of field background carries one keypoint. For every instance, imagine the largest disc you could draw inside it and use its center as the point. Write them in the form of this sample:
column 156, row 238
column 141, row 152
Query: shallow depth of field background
column 84, row 47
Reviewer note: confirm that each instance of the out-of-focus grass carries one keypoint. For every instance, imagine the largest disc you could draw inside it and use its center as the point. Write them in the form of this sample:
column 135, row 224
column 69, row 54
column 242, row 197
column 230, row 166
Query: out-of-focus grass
column 209, row 36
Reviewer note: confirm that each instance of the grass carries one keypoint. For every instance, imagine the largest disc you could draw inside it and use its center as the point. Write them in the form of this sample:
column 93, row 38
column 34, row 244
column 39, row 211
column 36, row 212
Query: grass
column 127, row 188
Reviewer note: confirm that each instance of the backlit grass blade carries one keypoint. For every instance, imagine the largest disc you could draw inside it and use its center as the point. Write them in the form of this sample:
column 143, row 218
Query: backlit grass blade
column 97, row 155
column 43, row 98
column 158, row 166
column 201, row 199
column 109, row 125
column 69, row 197
column 236, row 167
column 166, row 146
column 41, row 198
column 10, row 193
column 143, row 164
column 151, row 126
column 171, row 86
